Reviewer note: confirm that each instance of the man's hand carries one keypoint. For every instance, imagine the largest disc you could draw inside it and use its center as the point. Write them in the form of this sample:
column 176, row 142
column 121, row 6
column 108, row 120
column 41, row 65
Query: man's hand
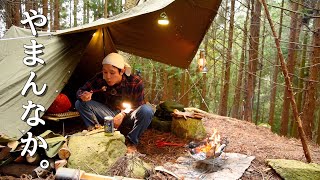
column 118, row 120
column 86, row 96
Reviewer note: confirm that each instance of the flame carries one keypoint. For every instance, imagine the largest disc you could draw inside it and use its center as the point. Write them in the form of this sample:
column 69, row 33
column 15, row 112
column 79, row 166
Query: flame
column 211, row 145
column 127, row 107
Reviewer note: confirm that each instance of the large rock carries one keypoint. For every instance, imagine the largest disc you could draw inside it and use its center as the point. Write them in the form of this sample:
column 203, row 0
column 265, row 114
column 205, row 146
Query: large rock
column 292, row 169
column 96, row 153
column 131, row 166
column 188, row 128
column 160, row 124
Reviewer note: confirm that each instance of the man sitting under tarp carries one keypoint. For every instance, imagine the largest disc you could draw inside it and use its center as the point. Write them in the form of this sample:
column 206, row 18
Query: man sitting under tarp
column 104, row 95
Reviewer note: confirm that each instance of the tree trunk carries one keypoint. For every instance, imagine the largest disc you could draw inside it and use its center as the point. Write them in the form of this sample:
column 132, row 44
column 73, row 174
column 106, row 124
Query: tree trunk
column 8, row 10
column 291, row 61
column 183, row 87
column 29, row 5
column 310, row 102
column 302, row 76
column 84, row 15
column 164, row 83
column 223, row 56
column 75, row 10
column 100, row 9
column 185, row 98
column 35, row 5
column 16, row 13
column 70, row 13
column 289, row 86
column 170, row 87
column 146, row 79
column 56, row 25
column 253, row 60
column 204, row 92
column 237, row 91
column 88, row 11
column 260, row 70
column 45, row 12
column 153, row 85
column 214, row 81
column 318, row 139
column 275, row 77
column 51, row 11
column 106, row 9
column 223, row 109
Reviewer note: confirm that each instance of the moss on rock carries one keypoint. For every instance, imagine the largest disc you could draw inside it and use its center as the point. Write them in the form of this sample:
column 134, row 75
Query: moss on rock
column 188, row 128
column 293, row 170
column 96, row 153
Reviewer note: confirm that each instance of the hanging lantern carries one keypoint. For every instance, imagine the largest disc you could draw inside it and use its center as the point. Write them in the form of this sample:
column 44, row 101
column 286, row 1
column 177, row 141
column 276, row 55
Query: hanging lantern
column 163, row 19
column 202, row 62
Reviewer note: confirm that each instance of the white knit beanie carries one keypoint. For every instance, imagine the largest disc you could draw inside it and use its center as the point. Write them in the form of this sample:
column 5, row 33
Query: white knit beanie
column 118, row 61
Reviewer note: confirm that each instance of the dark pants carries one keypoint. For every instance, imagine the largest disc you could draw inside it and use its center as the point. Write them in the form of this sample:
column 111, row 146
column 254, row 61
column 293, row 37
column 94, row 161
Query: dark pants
column 133, row 125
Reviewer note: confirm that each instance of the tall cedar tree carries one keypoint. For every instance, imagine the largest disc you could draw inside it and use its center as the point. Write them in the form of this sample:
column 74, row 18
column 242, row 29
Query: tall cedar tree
column 8, row 10
column 84, row 15
column 183, row 87
column 318, row 132
column 75, row 10
column 164, row 84
column 185, row 98
column 275, row 75
column 223, row 109
column 253, row 59
column 302, row 76
column 51, row 12
column 260, row 70
column 45, row 11
column 214, row 82
column 237, row 91
column 291, row 61
column 308, row 114
column 153, row 85
column 289, row 86
column 203, row 99
column 224, row 49
column 16, row 13
column 56, row 24
column 106, row 9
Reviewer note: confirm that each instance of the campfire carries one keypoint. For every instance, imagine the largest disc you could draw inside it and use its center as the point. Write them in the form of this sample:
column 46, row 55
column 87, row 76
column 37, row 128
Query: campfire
column 208, row 149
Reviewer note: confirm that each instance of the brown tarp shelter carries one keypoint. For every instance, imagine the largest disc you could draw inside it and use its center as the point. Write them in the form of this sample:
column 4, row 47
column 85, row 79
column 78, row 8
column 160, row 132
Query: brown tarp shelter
column 82, row 48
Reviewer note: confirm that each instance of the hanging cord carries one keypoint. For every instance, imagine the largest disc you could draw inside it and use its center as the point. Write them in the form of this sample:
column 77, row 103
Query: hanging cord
column 189, row 87
column 194, row 84
column 198, row 89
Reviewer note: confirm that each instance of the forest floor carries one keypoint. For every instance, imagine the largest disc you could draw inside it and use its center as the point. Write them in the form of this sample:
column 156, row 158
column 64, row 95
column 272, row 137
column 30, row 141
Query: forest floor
column 244, row 137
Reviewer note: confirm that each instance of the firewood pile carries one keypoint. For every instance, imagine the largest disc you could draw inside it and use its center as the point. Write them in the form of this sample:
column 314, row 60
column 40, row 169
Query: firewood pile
column 13, row 164
column 190, row 113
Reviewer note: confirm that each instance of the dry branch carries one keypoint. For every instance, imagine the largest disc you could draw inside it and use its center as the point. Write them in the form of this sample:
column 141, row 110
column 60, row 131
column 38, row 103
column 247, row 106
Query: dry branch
column 289, row 86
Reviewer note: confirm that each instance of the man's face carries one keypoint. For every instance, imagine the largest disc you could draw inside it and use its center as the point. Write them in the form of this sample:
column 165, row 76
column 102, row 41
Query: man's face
column 111, row 74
